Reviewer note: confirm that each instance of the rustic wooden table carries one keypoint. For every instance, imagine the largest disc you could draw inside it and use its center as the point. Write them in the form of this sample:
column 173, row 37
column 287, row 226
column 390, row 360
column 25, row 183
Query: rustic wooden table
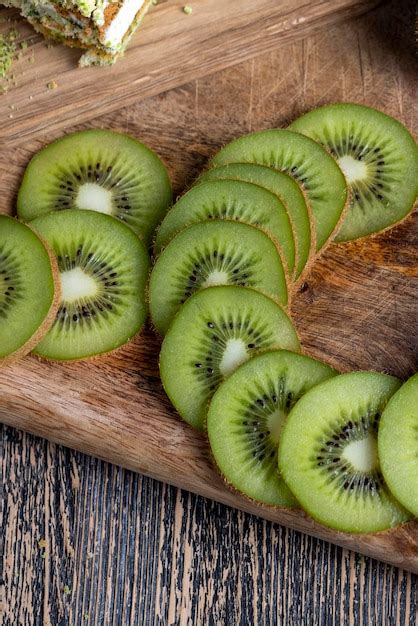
column 90, row 544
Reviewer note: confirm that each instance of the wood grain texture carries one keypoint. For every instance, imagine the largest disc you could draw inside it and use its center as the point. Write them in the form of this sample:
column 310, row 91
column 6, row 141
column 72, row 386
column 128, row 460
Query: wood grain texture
column 211, row 565
column 120, row 549
column 111, row 407
column 170, row 49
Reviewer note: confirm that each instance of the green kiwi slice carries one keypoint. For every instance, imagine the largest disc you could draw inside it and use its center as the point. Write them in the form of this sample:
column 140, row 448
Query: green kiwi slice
column 289, row 192
column 103, row 269
column 398, row 444
column 218, row 252
column 246, row 416
column 232, row 200
column 216, row 330
column 99, row 170
column 29, row 289
column 310, row 165
column 379, row 158
column 328, row 453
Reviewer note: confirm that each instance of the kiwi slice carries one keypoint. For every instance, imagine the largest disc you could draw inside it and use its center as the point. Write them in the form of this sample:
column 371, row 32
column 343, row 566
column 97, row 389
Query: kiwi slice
column 310, row 165
column 398, row 444
column 216, row 330
column 98, row 170
column 283, row 186
column 232, row 200
column 246, row 416
column 218, row 252
column 103, row 268
column 29, row 289
column 379, row 158
column 328, row 453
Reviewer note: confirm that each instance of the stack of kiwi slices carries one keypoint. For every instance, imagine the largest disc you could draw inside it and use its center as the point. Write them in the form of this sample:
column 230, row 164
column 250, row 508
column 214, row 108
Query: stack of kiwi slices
column 284, row 429
column 73, row 278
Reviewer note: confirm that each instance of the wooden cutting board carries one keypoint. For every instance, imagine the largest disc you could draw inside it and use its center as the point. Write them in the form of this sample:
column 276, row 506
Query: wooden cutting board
column 358, row 310
column 170, row 49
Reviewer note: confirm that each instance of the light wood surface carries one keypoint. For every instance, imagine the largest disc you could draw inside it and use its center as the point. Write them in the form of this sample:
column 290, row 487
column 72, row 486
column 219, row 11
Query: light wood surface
column 170, row 49
column 358, row 308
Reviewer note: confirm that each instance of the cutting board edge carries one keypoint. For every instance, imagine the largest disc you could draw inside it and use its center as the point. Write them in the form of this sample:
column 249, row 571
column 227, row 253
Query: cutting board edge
column 316, row 530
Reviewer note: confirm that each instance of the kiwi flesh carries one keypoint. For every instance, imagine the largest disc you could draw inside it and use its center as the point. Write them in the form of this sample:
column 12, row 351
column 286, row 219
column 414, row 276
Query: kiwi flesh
column 306, row 161
column 328, row 453
column 246, row 416
column 398, row 444
column 29, row 289
column 99, row 170
column 103, row 269
column 216, row 330
column 379, row 158
column 289, row 192
column 232, row 200
column 218, row 252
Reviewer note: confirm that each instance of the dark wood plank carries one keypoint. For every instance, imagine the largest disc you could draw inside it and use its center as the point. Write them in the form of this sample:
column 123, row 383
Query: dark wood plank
column 170, row 49
column 126, row 550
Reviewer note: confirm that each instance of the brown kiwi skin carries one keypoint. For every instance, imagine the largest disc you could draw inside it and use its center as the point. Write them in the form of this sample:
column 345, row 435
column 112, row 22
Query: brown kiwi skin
column 345, row 210
column 315, row 255
column 312, row 254
column 33, row 341
column 291, row 290
column 263, row 230
column 232, row 488
column 203, row 430
column 93, row 357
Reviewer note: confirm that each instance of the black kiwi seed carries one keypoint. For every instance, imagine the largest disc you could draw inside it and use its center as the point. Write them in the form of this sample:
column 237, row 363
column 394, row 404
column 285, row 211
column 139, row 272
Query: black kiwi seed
column 329, row 456
column 10, row 281
column 82, row 312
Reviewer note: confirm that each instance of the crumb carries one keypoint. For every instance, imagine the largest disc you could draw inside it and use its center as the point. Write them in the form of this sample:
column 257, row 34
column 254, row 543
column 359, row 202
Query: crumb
column 11, row 116
column 52, row 84
column 30, row 97
column 7, row 52
column 187, row 9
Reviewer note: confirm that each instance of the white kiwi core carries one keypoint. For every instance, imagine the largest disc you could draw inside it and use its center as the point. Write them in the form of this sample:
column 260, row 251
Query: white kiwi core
column 77, row 285
column 234, row 354
column 94, row 197
column 362, row 454
column 217, row 277
column 353, row 169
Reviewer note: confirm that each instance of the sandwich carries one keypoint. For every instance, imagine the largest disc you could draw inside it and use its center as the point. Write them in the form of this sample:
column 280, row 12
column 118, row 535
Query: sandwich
column 102, row 28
